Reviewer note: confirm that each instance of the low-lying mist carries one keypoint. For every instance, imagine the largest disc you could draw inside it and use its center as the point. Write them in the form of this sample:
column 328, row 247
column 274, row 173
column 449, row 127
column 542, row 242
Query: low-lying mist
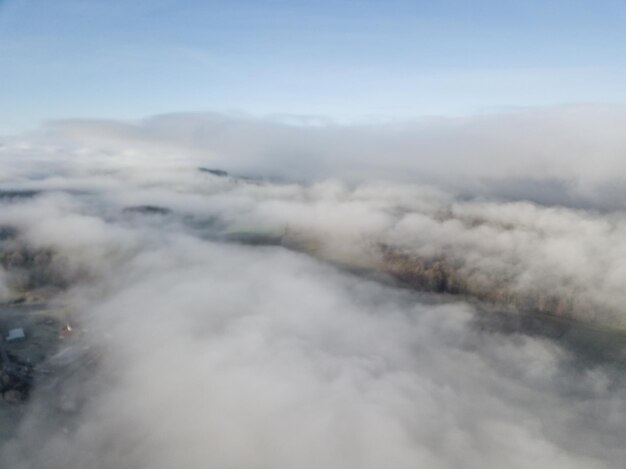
column 252, row 294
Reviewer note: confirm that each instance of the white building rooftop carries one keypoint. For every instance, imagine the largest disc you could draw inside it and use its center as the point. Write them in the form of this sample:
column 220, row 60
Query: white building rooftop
column 15, row 334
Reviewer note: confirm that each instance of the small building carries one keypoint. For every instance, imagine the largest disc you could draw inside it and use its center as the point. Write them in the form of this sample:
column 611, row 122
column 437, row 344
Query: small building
column 15, row 334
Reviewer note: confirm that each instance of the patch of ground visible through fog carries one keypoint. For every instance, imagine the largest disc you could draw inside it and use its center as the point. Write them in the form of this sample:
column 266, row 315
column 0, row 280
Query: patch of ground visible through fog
column 24, row 361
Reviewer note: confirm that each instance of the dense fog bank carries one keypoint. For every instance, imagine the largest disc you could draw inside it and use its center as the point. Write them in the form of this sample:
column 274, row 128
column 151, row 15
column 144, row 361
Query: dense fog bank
column 239, row 302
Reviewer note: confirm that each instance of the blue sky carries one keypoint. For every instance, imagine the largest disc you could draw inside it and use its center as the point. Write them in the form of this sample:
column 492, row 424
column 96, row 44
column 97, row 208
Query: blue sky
column 348, row 60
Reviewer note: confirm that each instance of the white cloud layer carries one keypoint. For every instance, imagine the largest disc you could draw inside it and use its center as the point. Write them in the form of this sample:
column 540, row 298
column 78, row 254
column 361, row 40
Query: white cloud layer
column 199, row 352
column 567, row 155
